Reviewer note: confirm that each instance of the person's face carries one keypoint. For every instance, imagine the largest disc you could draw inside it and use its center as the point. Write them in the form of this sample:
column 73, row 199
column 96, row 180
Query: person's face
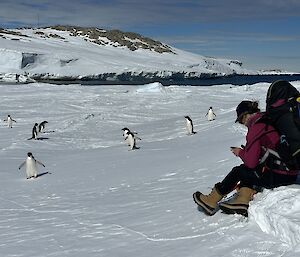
column 244, row 119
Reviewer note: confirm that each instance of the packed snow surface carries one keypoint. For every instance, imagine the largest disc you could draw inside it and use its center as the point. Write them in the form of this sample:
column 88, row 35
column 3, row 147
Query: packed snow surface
column 97, row 198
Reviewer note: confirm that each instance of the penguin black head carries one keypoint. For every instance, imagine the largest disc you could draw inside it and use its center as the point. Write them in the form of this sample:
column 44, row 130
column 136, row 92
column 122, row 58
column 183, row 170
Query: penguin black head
column 44, row 122
column 188, row 118
column 210, row 107
column 29, row 154
column 125, row 129
column 8, row 115
column 36, row 124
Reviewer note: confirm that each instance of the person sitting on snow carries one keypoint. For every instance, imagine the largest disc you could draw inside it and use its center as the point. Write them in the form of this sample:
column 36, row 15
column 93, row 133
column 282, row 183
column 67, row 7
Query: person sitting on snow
column 251, row 174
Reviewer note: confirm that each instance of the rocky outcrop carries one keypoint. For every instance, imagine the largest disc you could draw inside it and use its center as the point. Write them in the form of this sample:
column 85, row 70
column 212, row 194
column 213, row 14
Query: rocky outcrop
column 132, row 41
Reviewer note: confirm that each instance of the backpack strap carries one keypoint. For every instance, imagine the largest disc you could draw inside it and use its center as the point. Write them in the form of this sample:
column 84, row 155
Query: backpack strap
column 268, row 151
column 271, row 161
column 266, row 121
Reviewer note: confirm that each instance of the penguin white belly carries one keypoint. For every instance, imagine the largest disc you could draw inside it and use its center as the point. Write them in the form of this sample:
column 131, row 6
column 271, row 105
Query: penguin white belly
column 35, row 134
column 131, row 142
column 125, row 135
column 210, row 116
column 31, row 169
column 189, row 127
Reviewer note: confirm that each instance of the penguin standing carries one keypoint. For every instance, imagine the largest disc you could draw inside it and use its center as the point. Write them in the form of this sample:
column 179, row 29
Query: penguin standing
column 131, row 141
column 42, row 126
column 9, row 121
column 210, row 114
column 35, row 131
column 31, row 166
column 189, row 125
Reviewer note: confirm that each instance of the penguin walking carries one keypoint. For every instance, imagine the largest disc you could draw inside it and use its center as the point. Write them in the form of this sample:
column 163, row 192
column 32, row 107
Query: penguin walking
column 126, row 131
column 42, row 126
column 131, row 141
column 9, row 121
column 31, row 166
column 210, row 114
column 125, row 134
column 35, row 131
column 189, row 125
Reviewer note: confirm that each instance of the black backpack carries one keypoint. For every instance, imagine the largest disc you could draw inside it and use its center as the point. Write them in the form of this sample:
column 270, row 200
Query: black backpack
column 283, row 113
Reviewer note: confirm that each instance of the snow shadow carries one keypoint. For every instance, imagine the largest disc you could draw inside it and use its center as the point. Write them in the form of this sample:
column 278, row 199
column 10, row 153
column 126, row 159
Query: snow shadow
column 42, row 174
column 42, row 138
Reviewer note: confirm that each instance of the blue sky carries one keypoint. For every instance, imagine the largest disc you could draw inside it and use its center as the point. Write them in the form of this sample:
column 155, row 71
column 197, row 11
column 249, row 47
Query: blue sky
column 262, row 34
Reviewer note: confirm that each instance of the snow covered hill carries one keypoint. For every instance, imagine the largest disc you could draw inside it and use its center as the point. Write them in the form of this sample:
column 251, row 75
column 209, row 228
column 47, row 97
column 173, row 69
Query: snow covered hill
column 97, row 198
column 88, row 53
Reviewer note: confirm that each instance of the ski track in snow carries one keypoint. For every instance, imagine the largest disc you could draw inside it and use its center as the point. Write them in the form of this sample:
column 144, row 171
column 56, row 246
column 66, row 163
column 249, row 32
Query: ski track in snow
column 96, row 198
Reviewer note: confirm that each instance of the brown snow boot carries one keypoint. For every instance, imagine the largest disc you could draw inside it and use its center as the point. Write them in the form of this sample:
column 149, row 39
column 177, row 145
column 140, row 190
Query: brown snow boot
column 240, row 204
column 209, row 203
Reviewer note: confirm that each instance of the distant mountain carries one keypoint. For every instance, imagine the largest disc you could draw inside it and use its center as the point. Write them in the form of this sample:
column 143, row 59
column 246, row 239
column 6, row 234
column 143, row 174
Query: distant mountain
column 108, row 56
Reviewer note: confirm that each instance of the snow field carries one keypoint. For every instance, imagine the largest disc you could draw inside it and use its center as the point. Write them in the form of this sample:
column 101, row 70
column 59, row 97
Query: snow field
column 97, row 198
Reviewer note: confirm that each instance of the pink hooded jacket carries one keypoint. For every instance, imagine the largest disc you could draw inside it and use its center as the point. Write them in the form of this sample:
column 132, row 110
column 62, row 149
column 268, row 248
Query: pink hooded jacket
column 258, row 135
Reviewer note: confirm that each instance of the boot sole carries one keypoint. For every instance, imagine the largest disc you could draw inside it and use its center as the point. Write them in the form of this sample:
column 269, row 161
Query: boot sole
column 241, row 209
column 207, row 210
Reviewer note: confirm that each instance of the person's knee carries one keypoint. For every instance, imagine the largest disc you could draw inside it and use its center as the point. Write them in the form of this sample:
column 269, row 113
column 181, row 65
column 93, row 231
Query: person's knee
column 239, row 170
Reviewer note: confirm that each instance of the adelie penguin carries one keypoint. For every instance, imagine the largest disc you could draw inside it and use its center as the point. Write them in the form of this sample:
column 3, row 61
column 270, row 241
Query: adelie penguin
column 42, row 126
column 31, row 166
column 9, row 121
column 210, row 114
column 125, row 134
column 131, row 141
column 189, row 125
column 35, row 131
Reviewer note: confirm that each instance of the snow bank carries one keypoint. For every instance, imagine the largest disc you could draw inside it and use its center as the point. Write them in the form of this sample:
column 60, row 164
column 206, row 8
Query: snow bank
column 155, row 87
column 277, row 213
column 10, row 60
column 12, row 63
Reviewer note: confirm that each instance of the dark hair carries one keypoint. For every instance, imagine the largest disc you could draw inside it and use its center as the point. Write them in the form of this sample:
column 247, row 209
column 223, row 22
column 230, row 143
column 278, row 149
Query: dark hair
column 246, row 107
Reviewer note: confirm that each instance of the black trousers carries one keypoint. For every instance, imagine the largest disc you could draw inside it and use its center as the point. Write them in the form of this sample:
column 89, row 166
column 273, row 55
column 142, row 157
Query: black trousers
column 253, row 178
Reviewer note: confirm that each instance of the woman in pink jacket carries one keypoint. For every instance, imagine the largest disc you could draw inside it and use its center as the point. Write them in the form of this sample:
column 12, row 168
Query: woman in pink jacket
column 253, row 173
